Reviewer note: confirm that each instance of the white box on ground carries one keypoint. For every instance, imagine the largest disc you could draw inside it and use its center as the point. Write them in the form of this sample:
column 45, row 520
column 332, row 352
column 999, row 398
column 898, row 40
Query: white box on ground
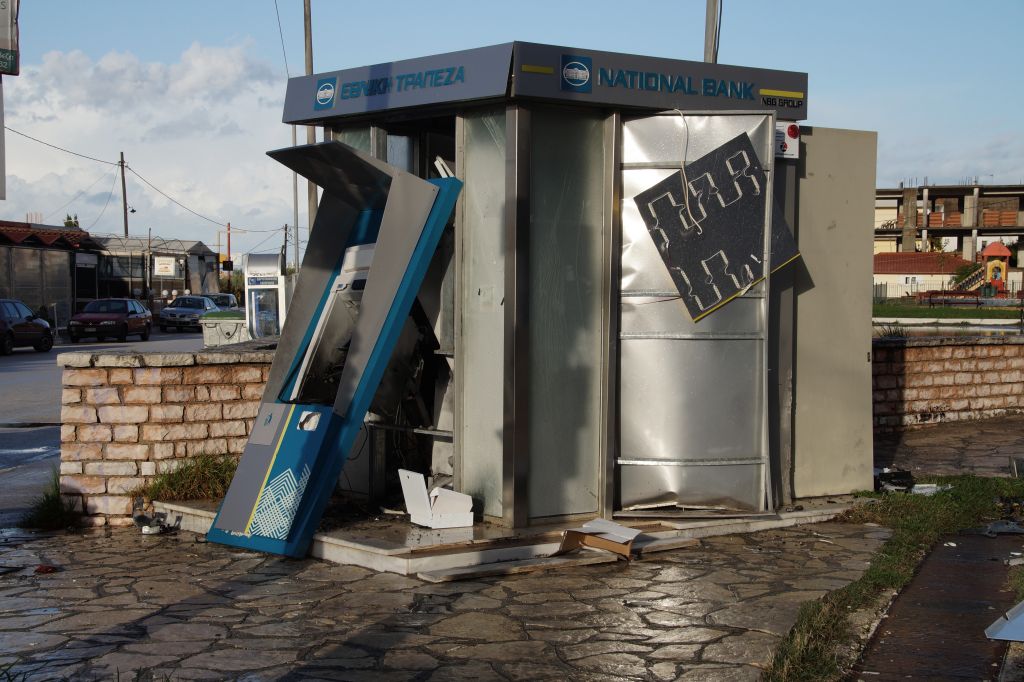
column 441, row 509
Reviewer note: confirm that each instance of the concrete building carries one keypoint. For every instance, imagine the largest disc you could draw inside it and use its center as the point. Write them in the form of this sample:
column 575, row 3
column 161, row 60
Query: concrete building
column 141, row 267
column 966, row 218
column 47, row 267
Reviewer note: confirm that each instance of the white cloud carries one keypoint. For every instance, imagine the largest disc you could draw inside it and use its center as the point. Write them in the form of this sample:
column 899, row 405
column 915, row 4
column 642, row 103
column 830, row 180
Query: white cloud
column 198, row 129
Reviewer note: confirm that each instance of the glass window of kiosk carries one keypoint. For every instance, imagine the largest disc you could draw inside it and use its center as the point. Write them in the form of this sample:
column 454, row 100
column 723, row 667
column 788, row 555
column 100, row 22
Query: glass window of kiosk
column 263, row 307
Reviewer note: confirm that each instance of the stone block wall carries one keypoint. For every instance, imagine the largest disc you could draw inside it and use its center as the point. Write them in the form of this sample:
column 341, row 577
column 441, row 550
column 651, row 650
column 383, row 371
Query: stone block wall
column 925, row 380
column 126, row 417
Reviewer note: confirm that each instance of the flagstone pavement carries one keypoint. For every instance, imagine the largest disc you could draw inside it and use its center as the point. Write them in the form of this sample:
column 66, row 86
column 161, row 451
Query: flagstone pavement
column 132, row 607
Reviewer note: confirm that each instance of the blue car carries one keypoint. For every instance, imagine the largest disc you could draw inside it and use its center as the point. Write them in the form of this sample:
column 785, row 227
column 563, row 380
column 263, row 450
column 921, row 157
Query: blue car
column 184, row 312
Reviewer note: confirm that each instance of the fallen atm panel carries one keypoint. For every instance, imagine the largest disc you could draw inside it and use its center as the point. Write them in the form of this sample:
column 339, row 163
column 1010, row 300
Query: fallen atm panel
column 296, row 451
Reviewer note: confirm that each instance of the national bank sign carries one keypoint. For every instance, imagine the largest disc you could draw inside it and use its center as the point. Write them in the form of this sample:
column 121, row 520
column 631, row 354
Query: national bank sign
column 654, row 83
column 577, row 73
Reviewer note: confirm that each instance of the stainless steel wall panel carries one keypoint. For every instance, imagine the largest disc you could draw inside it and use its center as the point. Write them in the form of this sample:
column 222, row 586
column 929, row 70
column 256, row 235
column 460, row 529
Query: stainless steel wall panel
column 663, row 138
column 691, row 394
column 566, row 277
column 674, row 408
column 481, row 292
column 667, row 315
column 727, row 487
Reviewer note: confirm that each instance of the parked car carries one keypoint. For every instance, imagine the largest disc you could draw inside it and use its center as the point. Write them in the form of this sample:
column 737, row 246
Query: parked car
column 114, row 317
column 184, row 312
column 224, row 301
column 19, row 326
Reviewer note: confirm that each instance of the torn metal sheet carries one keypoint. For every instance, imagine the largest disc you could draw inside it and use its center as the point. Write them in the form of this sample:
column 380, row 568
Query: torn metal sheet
column 1009, row 626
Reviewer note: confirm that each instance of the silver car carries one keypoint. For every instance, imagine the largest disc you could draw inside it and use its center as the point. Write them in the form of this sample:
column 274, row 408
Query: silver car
column 184, row 312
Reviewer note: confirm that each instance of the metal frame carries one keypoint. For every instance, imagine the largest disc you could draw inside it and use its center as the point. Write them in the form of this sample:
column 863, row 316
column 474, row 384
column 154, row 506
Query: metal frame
column 458, row 380
column 515, row 445
column 611, row 319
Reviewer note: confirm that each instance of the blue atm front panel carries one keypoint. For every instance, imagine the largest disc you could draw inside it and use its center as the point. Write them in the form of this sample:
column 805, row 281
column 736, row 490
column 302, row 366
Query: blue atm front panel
column 336, row 342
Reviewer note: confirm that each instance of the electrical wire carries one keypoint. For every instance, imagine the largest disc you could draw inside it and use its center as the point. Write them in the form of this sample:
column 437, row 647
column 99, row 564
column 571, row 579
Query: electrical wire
column 112, row 186
column 66, row 151
column 718, row 29
column 144, row 180
column 280, row 32
column 68, row 203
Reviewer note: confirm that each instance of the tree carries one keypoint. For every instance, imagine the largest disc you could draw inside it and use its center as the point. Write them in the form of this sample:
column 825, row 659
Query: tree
column 71, row 222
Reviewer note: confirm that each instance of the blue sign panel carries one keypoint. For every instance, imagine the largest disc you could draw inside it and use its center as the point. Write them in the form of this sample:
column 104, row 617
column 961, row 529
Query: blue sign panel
column 454, row 77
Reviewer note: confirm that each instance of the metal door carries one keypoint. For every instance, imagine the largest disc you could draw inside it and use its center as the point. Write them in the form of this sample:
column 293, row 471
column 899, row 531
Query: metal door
column 692, row 395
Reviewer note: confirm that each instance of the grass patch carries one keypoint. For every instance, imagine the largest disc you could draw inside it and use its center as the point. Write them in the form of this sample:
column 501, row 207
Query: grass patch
column 812, row 649
column 201, row 478
column 942, row 312
column 51, row 510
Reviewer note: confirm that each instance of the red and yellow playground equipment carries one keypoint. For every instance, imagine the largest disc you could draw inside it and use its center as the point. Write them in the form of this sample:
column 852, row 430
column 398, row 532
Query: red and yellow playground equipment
column 995, row 261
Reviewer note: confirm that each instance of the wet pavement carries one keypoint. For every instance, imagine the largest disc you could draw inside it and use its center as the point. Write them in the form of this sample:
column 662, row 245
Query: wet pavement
column 173, row 607
column 983, row 448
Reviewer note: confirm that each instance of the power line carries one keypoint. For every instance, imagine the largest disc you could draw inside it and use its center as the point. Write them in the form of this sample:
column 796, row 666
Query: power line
column 181, row 205
column 280, row 32
column 68, row 203
column 156, row 189
column 67, row 151
column 112, row 185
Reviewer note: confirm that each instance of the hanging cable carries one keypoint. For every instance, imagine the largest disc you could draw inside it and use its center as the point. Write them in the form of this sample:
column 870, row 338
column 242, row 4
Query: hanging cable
column 112, row 186
column 718, row 28
column 53, row 146
column 280, row 32
column 68, row 203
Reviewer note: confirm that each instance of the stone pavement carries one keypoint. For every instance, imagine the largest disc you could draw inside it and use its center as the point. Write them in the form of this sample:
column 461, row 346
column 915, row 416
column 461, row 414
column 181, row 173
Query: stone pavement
column 173, row 607
column 980, row 447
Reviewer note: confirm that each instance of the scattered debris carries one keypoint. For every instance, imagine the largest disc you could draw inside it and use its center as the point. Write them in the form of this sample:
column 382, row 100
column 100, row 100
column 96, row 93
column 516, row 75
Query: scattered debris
column 928, row 488
column 891, row 479
column 599, row 534
column 1015, row 561
column 1002, row 527
column 1009, row 627
column 46, row 568
column 442, row 509
column 949, row 544
column 156, row 524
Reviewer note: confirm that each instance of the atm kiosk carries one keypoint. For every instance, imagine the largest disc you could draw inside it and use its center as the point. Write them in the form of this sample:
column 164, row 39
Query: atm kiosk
column 267, row 292
column 625, row 316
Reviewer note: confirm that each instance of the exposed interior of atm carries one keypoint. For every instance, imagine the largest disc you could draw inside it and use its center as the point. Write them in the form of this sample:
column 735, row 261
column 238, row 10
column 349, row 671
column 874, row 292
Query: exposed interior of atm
column 595, row 333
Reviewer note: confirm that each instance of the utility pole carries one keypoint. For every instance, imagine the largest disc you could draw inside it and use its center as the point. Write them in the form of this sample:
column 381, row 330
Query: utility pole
column 124, row 196
column 295, row 208
column 310, row 130
column 148, row 272
column 229, row 241
column 711, row 30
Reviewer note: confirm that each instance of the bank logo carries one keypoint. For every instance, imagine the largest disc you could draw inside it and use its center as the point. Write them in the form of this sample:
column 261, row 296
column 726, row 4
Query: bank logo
column 325, row 88
column 576, row 73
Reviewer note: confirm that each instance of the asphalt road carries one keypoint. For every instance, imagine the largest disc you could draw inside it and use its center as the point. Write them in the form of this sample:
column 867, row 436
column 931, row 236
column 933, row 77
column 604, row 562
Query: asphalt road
column 30, row 386
column 30, row 381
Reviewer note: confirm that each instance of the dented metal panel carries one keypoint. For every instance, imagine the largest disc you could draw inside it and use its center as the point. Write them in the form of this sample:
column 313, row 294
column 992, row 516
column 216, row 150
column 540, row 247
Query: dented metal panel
column 692, row 394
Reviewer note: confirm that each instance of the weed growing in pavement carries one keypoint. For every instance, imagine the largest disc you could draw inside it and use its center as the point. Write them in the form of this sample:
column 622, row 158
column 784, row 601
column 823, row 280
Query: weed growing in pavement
column 892, row 331
column 51, row 510
column 812, row 649
column 204, row 477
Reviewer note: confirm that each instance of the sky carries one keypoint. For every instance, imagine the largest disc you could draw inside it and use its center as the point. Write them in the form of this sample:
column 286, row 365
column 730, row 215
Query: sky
column 192, row 92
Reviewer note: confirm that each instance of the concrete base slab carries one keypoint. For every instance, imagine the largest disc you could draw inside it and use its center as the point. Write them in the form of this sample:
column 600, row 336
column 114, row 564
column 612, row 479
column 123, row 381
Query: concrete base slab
column 511, row 546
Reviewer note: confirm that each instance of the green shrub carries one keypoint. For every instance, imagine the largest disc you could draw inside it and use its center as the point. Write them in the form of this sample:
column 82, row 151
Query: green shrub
column 201, row 478
column 51, row 510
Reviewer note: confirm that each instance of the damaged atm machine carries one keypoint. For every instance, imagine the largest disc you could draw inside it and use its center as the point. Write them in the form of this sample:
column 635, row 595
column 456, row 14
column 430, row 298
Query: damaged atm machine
column 573, row 284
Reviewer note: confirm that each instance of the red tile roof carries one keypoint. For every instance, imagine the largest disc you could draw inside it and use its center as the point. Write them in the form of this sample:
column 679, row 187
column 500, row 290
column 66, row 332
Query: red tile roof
column 933, row 263
column 997, row 249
